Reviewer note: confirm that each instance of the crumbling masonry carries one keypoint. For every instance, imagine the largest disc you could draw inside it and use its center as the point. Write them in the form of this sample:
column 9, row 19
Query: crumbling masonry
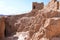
column 37, row 6
column 54, row 5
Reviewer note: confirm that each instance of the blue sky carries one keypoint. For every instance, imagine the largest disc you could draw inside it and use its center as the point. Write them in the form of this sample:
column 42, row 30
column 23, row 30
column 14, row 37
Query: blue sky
column 13, row 7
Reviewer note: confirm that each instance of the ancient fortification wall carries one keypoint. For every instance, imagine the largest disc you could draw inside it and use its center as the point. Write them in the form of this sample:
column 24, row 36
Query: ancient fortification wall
column 37, row 6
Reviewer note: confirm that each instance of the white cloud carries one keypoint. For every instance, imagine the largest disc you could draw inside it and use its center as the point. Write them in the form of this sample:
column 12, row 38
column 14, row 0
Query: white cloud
column 58, row 0
column 11, row 9
column 7, row 10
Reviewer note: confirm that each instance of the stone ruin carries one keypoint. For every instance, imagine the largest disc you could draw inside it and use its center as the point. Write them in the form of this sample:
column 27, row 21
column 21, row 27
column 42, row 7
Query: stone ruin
column 54, row 4
column 37, row 6
column 42, row 23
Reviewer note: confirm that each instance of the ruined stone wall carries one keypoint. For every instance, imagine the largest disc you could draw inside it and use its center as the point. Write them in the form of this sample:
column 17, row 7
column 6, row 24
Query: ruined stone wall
column 53, row 0
column 56, row 5
column 37, row 6
column 59, row 5
column 53, row 5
